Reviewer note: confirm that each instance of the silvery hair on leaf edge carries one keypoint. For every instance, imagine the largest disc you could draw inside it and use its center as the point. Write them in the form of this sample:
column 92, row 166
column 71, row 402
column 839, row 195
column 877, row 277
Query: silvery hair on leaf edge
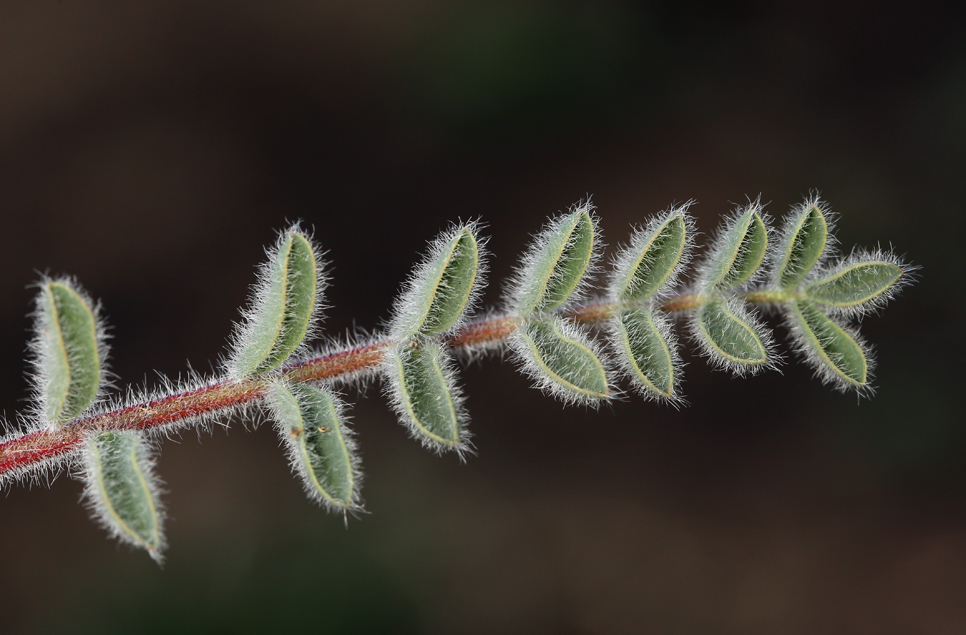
column 718, row 245
column 243, row 330
column 908, row 275
column 778, row 246
column 406, row 310
column 39, row 373
column 802, row 347
column 146, row 457
column 627, row 255
column 297, row 465
column 522, row 356
column 523, row 279
column 394, row 395
column 717, row 360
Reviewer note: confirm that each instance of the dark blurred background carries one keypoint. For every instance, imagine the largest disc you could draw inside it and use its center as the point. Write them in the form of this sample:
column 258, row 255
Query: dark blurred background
column 152, row 149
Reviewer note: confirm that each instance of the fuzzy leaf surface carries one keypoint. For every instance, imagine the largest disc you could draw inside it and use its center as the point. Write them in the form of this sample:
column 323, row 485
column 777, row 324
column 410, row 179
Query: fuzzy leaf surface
column 119, row 485
column 832, row 344
column 565, row 362
column 286, row 299
column 309, row 422
column 739, row 252
column 645, row 353
column 804, row 245
column 652, row 265
column 428, row 400
column 559, row 264
column 855, row 285
column 444, row 288
column 71, row 361
column 730, row 337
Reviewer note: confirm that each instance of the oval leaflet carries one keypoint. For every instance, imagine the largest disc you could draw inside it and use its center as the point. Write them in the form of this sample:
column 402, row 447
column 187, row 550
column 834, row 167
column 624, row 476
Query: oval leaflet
column 285, row 300
column 310, row 423
column 646, row 355
column 563, row 362
column 650, row 261
column 855, row 284
column 738, row 252
column 120, row 486
column 556, row 263
column 728, row 338
column 831, row 345
column 441, row 289
column 802, row 248
column 425, row 394
column 68, row 348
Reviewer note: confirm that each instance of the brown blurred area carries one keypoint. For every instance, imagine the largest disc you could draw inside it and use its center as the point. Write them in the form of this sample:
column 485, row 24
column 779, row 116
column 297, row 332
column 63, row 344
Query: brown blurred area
column 151, row 149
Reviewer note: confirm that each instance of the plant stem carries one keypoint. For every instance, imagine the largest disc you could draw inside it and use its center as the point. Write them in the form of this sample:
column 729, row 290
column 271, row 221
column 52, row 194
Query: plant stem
column 37, row 448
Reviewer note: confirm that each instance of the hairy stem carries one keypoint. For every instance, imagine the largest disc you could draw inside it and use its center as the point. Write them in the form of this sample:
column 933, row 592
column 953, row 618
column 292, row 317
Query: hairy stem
column 42, row 447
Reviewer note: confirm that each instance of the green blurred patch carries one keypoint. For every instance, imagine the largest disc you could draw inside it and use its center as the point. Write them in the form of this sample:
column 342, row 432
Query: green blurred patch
column 511, row 64
column 276, row 581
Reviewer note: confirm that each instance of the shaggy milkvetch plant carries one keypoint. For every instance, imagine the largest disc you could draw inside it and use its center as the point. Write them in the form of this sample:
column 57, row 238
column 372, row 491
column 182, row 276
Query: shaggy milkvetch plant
column 572, row 343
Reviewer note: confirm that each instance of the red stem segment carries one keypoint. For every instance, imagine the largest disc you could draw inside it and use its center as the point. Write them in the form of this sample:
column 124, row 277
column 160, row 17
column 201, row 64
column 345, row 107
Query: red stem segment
column 43, row 446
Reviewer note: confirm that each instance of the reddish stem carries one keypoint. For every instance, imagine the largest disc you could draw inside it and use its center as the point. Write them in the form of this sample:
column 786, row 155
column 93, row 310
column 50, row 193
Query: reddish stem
column 43, row 446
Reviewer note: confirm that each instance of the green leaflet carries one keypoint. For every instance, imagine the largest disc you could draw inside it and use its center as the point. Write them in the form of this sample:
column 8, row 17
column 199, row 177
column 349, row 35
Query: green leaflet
column 831, row 344
column 426, row 395
column 803, row 246
column 285, row 299
column 560, row 259
column 729, row 338
column 442, row 288
column 69, row 360
column 657, row 256
column 738, row 252
column 645, row 353
column 309, row 422
column 855, row 284
column 562, row 362
column 119, row 484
